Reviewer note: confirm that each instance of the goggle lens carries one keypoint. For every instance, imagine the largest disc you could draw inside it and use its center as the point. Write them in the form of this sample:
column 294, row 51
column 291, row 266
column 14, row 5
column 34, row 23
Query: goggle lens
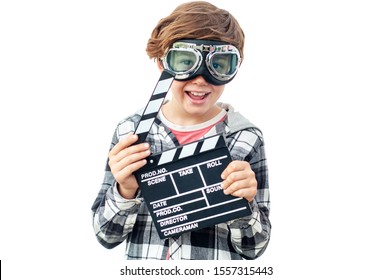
column 224, row 64
column 181, row 61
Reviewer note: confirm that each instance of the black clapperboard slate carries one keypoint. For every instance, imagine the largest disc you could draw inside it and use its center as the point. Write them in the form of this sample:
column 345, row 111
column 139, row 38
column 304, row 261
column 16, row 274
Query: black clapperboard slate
column 181, row 186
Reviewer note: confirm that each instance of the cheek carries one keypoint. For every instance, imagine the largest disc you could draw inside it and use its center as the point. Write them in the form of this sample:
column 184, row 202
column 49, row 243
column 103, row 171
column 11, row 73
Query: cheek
column 177, row 87
column 219, row 90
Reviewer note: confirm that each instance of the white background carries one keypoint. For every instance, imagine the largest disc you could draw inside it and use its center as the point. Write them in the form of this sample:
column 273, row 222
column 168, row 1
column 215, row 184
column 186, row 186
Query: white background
column 316, row 79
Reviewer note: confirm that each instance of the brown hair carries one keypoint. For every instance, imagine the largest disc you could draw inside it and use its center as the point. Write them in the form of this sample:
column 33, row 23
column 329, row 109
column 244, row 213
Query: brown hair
column 195, row 20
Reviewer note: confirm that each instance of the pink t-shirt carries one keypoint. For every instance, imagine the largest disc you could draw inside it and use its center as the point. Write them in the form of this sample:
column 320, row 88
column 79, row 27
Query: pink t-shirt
column 187, row 134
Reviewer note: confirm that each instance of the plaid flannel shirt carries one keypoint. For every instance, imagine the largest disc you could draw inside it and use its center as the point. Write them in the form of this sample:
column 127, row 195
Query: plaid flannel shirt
column 116, row 219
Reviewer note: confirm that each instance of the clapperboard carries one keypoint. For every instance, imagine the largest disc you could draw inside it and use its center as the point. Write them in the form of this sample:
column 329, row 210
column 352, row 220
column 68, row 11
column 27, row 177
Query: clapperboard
column 182, row 186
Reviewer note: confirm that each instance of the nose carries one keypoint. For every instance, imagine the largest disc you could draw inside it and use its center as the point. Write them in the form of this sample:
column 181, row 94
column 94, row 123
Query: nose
column 199, row 80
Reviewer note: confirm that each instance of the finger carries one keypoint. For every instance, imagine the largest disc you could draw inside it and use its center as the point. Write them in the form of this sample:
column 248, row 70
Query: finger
column 128, row 170
column 124, row 143
column 249, row 182
column 235, row 176
column 134, row 149
column 233, row 166
column 123, row 159
column 133, row 158
column 248, row 193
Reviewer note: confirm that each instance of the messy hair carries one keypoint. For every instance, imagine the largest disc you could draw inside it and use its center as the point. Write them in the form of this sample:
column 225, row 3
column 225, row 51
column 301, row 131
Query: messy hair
column 195, row 20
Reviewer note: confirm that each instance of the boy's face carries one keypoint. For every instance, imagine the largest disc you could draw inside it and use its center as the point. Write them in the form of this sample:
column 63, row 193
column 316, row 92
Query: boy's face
column 194, row 100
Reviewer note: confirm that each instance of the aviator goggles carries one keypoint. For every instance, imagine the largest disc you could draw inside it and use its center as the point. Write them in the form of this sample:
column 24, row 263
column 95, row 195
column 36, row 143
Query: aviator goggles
column 216, row 61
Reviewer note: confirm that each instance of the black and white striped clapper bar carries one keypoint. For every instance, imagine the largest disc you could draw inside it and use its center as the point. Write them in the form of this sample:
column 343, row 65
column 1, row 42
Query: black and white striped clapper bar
column 153, row 106
column 181, row 187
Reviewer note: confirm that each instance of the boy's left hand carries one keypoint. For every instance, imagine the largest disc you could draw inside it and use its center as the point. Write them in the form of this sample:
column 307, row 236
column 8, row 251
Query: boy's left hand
column 239, row 180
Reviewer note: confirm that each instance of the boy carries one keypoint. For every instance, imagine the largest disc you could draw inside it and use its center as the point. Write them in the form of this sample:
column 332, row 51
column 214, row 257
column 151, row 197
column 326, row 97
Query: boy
column 203, row 46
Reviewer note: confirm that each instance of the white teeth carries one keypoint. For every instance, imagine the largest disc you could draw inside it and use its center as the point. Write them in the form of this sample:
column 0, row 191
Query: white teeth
column 198, row 93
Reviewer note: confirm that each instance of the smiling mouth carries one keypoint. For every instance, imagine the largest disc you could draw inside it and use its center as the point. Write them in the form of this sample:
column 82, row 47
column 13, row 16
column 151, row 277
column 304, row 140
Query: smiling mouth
column 197, row 95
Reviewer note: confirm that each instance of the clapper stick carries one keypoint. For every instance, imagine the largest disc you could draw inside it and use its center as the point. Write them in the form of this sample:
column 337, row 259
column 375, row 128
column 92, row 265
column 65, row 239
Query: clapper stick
column 153, row 106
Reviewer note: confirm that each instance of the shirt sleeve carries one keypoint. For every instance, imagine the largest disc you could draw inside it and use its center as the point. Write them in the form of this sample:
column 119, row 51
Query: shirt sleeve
column 113, row 216
column 250, row 235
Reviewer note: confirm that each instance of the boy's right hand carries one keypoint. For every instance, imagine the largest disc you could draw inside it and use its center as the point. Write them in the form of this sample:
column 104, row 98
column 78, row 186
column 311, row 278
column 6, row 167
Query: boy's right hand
column 124, row 160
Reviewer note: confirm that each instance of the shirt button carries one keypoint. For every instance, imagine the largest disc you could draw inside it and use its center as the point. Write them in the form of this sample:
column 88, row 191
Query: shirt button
column 162, row 131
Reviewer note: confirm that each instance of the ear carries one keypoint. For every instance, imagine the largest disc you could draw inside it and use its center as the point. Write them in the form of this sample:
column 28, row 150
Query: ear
column 159, row 63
